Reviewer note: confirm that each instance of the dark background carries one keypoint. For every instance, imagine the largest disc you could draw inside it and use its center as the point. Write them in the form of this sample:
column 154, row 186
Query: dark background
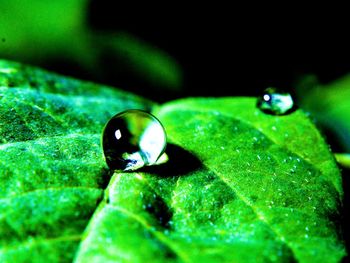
column 229, row 51
column 221, row 50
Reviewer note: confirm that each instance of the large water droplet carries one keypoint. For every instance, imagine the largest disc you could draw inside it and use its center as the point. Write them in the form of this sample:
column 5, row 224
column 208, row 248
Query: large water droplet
column 276, row 102
column 133, row 139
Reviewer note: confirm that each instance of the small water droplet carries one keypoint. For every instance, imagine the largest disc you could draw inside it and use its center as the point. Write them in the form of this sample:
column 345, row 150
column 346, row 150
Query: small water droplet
column 133, row 139
column 275, row 102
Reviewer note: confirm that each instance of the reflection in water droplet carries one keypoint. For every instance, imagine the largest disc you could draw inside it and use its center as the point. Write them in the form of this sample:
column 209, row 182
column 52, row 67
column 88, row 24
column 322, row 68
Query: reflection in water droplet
column 275, row 102
column 133, row 139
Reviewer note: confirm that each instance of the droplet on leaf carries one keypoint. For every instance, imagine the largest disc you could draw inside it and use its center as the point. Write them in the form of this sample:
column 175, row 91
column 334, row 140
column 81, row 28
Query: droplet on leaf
column 276, row 102
column 133, row 139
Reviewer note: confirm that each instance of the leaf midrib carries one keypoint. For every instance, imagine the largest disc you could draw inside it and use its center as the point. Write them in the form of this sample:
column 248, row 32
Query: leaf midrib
column 104, row 205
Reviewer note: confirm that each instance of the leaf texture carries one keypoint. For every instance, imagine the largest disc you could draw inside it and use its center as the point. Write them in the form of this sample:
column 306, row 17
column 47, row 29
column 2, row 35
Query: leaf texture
column 52, row 170
column 259, row 188
column 240, row 185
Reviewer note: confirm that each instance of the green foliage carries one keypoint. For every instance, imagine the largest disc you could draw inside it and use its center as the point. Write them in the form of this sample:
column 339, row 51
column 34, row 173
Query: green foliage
column 152, row 64
column 240, row 185
column 51, row 168
column 38, row 32
column 330, row 105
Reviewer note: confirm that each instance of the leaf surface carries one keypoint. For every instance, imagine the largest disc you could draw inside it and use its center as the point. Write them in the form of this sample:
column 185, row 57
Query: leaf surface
column 52, row 171
column 241, row 186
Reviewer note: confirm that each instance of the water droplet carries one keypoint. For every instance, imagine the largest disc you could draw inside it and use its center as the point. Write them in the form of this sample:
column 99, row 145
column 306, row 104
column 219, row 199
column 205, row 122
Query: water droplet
column 275, row 102
column 133, row 139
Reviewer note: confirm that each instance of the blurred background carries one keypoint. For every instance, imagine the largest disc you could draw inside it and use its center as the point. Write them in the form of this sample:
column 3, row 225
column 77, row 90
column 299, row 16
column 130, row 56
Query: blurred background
column 168, row 52
column 163, row 52
column 173, row 51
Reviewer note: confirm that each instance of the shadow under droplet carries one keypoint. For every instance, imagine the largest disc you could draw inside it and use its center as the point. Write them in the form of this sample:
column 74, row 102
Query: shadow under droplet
column 181, row 162
column 105, row 177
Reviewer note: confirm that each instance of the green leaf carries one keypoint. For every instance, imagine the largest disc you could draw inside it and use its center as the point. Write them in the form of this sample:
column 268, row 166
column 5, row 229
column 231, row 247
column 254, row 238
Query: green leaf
column 146, row 61
column 266, row 188
column 240, row 185
column 62, row 34
column 329, row 104
column 52, row 171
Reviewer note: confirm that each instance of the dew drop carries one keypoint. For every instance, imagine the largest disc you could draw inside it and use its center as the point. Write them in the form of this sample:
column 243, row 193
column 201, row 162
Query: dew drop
column 133, row 139
column 275, row 102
